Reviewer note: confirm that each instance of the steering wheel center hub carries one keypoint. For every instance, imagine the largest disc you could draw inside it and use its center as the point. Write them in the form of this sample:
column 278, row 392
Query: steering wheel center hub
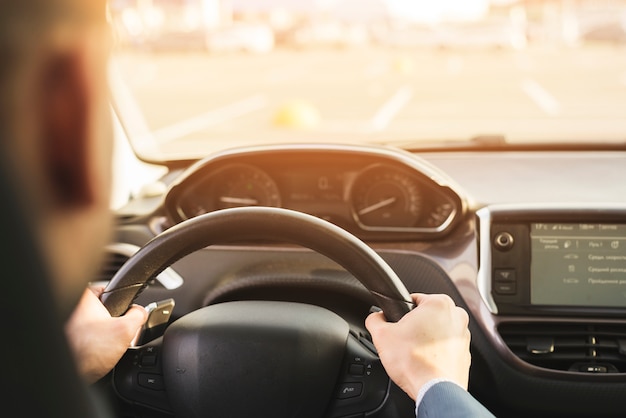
column 242, row 359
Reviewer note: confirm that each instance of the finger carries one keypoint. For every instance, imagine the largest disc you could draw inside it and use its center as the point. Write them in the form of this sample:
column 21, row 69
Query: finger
column 136, row 316
column 418, row 297
column 463, row 315
column 97, row 290
column 129, row 324
column 435, row 298
column 375, row 321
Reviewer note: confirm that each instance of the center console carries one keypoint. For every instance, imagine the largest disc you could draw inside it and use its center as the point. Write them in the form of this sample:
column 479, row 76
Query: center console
column 554, row 279
column 553, row 261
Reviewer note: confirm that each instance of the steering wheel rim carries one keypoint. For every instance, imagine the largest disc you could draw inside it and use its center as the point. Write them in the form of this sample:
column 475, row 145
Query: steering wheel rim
column 253, row 223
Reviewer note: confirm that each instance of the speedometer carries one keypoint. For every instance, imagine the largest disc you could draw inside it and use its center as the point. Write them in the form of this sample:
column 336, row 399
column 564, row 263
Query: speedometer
column 386, row 197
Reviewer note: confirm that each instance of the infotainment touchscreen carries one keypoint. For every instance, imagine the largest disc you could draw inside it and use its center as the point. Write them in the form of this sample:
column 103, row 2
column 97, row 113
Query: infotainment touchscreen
column 578, row 264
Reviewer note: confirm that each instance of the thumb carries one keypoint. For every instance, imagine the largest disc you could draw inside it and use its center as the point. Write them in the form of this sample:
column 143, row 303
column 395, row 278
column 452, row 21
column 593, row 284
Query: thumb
column 135, row 317
column 375, row 321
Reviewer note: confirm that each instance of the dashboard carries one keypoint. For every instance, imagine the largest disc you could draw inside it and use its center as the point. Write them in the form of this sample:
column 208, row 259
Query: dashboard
column 532, row 244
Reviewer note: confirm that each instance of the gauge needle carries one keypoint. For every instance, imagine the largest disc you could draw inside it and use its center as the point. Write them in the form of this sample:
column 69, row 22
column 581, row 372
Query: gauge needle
column 377, row 206
column 238, row 200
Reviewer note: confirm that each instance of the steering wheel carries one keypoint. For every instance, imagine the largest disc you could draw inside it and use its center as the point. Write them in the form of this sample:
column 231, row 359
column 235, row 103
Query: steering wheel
column 244, row 358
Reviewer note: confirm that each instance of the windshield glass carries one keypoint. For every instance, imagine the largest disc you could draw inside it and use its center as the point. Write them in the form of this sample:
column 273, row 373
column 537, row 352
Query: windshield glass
column 194, row 76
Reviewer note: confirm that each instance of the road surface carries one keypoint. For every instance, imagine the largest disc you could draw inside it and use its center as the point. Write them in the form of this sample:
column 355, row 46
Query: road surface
column 197, row 102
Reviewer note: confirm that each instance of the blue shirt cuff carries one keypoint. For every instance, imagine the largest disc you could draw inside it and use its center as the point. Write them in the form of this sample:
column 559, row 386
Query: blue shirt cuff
column 426, row 387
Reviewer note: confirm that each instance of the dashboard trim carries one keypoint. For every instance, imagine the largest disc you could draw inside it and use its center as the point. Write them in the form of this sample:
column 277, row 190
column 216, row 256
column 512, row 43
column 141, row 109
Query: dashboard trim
column 484, row 266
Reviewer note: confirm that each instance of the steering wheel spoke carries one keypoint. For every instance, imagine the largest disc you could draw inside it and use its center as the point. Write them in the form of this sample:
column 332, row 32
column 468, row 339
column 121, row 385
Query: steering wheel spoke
column 138, row 376
column 363, row 383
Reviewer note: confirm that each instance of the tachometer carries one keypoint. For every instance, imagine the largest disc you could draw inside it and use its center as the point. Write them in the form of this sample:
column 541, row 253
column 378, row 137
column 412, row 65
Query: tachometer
column 386, row 197
column 231, row 186
column 244, row 185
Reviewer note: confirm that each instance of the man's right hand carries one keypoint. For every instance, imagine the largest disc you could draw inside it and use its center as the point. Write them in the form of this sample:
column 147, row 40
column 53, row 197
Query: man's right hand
column 430, row 342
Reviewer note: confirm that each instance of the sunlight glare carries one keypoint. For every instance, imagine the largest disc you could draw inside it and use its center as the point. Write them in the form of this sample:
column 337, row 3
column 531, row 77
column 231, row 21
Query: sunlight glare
column 425, row 11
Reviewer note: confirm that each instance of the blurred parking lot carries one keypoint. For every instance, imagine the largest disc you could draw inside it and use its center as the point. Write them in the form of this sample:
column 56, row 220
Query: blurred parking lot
column 382, row 94
column 418, row 85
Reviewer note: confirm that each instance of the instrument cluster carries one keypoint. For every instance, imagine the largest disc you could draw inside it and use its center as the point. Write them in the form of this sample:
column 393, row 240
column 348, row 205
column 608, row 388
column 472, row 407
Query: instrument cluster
column 370, row 193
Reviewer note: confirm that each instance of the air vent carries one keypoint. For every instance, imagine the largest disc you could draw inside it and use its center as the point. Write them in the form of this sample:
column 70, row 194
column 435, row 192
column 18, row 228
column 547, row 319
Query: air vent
column 587, row 348
column 113, row 261
column 117, row 254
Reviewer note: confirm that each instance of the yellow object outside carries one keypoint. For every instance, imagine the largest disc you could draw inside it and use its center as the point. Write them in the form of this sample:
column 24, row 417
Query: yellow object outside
column 404, row 65
column 297, row 114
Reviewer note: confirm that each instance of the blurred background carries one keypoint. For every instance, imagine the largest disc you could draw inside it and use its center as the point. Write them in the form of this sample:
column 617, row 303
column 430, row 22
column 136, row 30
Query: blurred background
column 194, row 76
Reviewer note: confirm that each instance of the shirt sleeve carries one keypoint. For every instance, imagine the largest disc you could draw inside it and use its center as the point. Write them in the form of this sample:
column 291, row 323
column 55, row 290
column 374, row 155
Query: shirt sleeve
column 426, row 387
column 441, row 398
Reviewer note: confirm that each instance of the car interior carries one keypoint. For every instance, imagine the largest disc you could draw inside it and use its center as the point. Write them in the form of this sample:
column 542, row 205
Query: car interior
column 539, row 348
column 260, row 258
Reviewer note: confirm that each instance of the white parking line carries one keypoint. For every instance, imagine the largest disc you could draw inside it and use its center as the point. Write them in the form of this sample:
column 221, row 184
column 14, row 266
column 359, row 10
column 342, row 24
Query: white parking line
column 391, row 108
column 541, row 97
column 211, row 118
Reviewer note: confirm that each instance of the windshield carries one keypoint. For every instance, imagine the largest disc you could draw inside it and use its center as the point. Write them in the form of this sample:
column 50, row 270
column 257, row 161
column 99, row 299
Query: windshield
column 194, row 76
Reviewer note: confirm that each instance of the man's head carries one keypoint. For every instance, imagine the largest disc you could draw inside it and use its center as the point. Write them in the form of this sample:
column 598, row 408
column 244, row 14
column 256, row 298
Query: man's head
column 55, row 129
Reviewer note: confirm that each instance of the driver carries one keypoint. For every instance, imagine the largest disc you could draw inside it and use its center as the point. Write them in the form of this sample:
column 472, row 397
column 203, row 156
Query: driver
column 54, row 112
column 55, row 122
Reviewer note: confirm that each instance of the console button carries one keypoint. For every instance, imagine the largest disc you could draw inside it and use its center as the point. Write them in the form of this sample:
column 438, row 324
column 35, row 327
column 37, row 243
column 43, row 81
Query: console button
column 503, row 241
column 505, row 288
column 150, row 381
column 148, row 360
column 505, row 281
column 350, row 390
column 504, row 275
column 357, row 369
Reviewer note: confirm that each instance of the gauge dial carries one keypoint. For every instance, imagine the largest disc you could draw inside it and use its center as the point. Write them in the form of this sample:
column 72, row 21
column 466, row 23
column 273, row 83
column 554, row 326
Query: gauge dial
column 244, row 185
column 232, row 186
column 386, row 197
